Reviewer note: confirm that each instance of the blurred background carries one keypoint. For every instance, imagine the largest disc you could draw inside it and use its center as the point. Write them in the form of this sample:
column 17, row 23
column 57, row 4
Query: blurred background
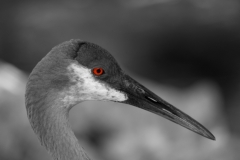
column 186, row 51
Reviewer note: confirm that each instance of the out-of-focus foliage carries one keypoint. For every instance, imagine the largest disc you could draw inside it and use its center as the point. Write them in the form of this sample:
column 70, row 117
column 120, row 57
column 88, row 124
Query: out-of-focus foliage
column 190, row 45
column 17, row 140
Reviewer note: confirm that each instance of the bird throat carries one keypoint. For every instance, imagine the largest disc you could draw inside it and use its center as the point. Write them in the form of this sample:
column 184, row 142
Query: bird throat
column 50, row 123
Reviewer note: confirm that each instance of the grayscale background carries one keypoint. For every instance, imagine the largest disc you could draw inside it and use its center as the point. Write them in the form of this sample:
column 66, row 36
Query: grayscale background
column 186, row 51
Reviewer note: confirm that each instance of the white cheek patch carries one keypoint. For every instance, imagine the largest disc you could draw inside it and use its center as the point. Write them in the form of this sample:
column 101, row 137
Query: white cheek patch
column 86, row 87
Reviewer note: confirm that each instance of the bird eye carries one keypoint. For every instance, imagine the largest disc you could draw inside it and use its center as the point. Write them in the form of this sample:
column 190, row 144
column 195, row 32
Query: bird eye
column 98, row 71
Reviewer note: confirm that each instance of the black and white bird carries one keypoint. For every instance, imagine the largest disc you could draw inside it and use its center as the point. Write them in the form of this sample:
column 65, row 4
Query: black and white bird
column 77, row 71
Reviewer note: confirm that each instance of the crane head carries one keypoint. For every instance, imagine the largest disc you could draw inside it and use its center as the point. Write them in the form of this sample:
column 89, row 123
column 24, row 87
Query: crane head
column 80, row 71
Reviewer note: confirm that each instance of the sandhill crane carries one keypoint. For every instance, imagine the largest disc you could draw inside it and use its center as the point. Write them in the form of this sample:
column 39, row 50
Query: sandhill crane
column 76, row 71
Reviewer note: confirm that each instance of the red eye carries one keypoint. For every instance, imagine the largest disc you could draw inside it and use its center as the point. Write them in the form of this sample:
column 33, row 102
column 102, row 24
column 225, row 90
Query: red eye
column 98, row 71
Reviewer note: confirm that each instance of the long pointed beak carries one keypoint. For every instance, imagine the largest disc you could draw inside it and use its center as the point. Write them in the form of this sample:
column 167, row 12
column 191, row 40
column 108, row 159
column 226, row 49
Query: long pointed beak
column 141, row 97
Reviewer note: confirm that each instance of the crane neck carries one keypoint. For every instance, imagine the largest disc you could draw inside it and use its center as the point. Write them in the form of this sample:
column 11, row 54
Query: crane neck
column 49, row 120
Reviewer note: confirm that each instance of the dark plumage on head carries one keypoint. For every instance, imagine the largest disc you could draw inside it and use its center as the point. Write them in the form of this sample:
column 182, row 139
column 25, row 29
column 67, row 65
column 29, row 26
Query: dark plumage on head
column 76, row 71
